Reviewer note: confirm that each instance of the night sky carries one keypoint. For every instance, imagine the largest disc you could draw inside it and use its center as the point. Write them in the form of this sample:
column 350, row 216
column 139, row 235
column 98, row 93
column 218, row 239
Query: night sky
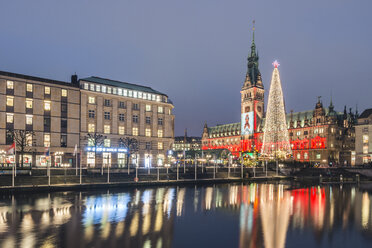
column 195, row 51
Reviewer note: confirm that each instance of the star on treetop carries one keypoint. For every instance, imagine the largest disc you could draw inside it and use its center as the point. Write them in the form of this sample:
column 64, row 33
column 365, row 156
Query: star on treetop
column 276, row 64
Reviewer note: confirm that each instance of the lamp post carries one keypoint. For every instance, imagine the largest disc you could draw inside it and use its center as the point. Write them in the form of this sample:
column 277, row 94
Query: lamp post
column 241, row 164
column 196, row 166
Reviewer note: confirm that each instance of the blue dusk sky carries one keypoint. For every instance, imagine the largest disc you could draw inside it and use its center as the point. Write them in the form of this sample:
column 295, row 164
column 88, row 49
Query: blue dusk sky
column 196, row 51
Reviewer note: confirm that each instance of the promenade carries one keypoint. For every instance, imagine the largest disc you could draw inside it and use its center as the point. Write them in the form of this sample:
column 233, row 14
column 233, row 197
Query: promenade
column 65, row 179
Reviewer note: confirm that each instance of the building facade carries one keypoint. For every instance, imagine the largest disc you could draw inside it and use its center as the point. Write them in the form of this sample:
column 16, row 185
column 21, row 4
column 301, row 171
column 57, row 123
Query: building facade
column 363, row 138
column 58, row 116
column 47, row 109
column 116, row 110
column 320, row 135
column 187, row 143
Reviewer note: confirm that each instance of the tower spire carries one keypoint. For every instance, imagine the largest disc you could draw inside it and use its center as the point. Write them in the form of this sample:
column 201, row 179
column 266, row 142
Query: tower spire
column 253, row 46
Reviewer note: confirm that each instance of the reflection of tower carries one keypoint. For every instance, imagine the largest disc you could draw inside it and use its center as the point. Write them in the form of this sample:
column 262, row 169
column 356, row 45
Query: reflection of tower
column 275, row 212
column 276, row 138
column 252, row 93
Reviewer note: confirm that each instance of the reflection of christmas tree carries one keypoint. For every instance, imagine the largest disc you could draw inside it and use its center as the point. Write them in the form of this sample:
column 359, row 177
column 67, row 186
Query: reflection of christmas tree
column 276, row 138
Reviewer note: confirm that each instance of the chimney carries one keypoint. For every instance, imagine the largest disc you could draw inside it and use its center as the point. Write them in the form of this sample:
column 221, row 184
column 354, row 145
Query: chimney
column 74, row 80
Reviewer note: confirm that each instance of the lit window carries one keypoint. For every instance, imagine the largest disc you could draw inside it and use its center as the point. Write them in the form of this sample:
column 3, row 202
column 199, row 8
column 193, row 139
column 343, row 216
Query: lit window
column 130, row 93
column 86, row 86
column 104, row 89
column 298, row 156
column 160, row 133
column 158, row 98
column 160, row 145
column 365, row 149
column 298, row 133
column 305, row 155
column 47, row 105
column 121, row 130
column 148, row 132
column 153, row 97
column 9, row 118
column 135, row 94
column 28, row 139
column 114, row 91
column 64, row 93
column 29, row 103
column 160, row 109
column 46, row 140
column 92, row 87
column 47, row 90
column 365, row 138
column 120, row 92
column 9, row 84
column 98, row 88
column 125, row 92
column 316, row 130
column 139, row 94
column 28, row 119
column 318, row 156
column 321, row 130
column 106, row 128
column 92, row 100
column 29, row 88
column 90, row 142
column 91, row 128
column 148, row 107
column 332, row 130
column 109, row 90
column 107, row 142
column 135, row 131
column 10, row 101
column 91, row 159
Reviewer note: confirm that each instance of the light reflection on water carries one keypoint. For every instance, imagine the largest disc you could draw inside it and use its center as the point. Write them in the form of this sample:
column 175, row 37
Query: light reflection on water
column 265, row 215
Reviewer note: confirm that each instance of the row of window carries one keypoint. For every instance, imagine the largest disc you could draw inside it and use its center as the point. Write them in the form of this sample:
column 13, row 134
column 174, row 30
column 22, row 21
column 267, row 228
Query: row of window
column 107, row 143
column 135, row 106
column 135, row 118
column 29, row 121
column 46, row 138
column 121, row 130
column 124, row 92
column 29, row 103
column 316, row 131
column 30, row 88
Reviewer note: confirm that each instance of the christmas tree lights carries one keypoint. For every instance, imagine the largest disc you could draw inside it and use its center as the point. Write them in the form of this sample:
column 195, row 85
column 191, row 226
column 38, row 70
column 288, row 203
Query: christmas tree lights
column 276, row 139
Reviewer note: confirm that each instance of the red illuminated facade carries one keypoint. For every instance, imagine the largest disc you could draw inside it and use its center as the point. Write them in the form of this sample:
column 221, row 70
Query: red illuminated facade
column 321, row 135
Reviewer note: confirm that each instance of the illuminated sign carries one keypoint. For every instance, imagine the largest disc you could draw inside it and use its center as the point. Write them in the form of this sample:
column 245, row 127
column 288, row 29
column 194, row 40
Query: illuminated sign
column 247, row 123
column 105, row 149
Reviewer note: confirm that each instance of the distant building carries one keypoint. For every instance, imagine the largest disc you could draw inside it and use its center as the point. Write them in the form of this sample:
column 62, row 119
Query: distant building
column 188, row 143
column 49, row 108
column 61, row 114
column 363, row 138
column 118, row 109
column 320, row 135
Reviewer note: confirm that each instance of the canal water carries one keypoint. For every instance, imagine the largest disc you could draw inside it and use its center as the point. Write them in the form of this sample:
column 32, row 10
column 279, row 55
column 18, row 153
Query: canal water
column 222, row 215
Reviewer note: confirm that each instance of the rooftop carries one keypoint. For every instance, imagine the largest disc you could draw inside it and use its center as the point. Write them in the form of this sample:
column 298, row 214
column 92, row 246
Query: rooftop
column 366, row 113
column 32, row 78
column 125, row 85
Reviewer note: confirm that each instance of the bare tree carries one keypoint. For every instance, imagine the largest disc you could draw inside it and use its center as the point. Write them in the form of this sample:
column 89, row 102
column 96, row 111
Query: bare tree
column 131, row 144
column 95, row 140
column 23, row 140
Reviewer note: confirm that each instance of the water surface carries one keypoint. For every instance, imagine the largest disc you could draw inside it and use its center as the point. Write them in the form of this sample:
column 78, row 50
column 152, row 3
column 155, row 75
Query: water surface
column 221, row 215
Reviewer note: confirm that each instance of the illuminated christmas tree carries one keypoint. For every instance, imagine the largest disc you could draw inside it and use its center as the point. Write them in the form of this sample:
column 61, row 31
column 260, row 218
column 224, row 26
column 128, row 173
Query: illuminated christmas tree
column 276, row 138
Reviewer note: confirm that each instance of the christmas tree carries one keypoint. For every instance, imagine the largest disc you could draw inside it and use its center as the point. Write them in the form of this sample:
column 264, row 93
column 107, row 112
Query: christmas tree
column 276, row 139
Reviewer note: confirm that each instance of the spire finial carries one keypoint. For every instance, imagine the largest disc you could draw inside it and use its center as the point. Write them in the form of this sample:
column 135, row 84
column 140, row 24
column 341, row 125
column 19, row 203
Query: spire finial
column 276, row 64
column 254, row 22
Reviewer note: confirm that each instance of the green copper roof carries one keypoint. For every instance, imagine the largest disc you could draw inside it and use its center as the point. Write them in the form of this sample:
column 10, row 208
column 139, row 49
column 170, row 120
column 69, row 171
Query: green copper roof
column 120, row 84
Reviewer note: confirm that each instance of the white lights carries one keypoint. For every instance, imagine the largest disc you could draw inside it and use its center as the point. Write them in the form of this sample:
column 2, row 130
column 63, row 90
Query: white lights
column 276, row 138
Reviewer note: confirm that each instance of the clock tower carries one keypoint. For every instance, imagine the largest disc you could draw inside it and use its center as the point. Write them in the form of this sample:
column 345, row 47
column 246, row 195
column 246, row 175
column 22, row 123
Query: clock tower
column 252, row 97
